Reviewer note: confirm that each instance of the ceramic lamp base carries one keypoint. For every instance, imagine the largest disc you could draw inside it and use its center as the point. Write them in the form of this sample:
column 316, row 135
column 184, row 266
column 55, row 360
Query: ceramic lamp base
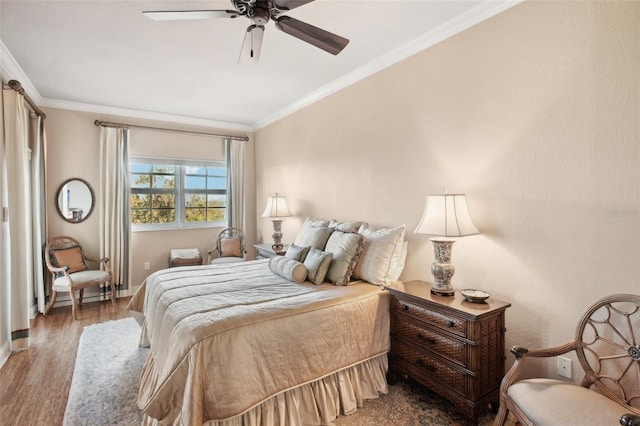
column 441, row 268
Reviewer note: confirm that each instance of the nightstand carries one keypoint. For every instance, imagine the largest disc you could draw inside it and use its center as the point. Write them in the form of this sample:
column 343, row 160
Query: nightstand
column 265, row 251
column 450, row 345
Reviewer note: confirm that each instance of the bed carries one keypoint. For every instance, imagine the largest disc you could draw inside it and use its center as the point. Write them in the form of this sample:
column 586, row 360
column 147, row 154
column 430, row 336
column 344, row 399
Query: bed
column 239, row 344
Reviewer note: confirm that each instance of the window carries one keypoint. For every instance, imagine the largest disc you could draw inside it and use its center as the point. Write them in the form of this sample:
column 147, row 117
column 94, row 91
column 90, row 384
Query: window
column 168, row 194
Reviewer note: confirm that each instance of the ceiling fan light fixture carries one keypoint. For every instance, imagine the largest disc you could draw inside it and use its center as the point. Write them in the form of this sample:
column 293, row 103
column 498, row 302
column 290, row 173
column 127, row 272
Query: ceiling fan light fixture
column 252, row 45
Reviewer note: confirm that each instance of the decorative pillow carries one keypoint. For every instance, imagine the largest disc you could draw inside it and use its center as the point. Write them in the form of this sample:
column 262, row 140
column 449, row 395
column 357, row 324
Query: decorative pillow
column 397, row 263
column 288, row 268
column 309, row 223
column 71, row 257
column 346, row 226
column 345, row 248
column 381, row 247
column 297, row 253
column 230, row 247
column 315, row 237
column 317, row 264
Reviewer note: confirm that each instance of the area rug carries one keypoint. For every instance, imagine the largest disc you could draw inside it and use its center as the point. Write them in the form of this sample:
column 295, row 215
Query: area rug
column 104, row 388
column 105, row 383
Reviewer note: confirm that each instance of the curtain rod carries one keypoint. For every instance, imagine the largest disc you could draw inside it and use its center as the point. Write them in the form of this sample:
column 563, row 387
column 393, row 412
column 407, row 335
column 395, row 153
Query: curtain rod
column 99, row 123
column 17, row 86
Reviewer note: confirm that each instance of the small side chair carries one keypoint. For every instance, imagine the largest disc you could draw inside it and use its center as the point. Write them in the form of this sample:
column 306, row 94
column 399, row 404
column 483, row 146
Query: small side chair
column 229, row 247
column 70, row 272
column 606, row 344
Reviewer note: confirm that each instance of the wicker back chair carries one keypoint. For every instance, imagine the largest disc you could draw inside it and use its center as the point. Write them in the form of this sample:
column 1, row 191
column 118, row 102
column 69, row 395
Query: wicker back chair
column 606, row 344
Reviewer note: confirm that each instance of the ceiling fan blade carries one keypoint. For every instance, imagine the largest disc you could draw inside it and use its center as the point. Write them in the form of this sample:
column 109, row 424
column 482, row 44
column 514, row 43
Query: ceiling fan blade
column 290, row 4
column 252, row 45
column 318, row 37
column 181, row 15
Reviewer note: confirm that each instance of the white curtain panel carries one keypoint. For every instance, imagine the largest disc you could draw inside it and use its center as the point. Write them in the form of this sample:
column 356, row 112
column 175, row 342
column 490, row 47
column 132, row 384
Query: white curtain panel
column 235, row 183
column 38, row 203
column 114, row 202
column 17, row 275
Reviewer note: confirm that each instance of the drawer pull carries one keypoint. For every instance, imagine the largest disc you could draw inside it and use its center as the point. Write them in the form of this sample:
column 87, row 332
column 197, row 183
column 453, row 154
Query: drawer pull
column 405, row 307
column 429, row 340
column 450, row 323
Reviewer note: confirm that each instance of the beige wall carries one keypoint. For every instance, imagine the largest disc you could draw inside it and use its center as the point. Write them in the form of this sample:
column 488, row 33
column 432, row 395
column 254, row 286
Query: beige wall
column 535, row 114
column 73, row 151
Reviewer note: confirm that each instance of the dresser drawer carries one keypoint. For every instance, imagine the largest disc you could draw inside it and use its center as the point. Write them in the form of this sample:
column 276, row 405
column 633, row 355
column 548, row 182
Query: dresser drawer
column 449, row 348
column 429, row 368
column 452, row 324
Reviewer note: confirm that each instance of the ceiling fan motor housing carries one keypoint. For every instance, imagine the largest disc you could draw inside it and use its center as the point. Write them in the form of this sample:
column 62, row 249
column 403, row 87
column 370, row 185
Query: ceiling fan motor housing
column 259, row 11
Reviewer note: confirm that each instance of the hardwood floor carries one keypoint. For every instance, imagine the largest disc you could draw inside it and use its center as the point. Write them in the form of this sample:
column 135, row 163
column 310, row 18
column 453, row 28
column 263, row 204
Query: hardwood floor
column 34, row 383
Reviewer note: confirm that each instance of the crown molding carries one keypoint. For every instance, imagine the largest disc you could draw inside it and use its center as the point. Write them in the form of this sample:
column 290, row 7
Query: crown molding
column 145, row 115
column 11, row 70
column 483, row 11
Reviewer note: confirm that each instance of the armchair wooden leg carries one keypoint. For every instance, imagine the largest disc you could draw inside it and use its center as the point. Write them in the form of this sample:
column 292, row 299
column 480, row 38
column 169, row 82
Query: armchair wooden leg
column 74, row 302
column 501, row 417
column 52, row 300
column 113, row 293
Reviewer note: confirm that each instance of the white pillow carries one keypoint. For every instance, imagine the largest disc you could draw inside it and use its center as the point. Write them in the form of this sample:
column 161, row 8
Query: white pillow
column 381, row 248
column 309, row 223
column 397, row 263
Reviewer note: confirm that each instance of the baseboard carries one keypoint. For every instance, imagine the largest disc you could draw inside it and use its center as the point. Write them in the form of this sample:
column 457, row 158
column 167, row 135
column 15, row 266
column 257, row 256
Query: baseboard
column 92, row 295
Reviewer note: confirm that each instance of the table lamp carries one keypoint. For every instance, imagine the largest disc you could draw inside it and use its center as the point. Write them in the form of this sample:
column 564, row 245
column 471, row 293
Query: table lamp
column 447, row 217
column 276, row 210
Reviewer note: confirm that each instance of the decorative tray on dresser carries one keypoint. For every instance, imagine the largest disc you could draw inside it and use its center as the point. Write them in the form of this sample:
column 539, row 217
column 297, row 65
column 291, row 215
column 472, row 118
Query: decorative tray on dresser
column 453, row 346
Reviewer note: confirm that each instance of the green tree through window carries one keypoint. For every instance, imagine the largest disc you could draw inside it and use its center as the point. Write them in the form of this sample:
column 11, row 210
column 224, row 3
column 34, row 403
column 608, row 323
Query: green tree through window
column 177, row 195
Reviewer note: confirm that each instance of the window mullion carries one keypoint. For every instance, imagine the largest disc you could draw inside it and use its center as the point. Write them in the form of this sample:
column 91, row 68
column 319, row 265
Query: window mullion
column 180, row 179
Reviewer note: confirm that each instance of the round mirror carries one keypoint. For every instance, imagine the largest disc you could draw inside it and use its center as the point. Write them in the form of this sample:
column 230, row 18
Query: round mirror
column 75, row 200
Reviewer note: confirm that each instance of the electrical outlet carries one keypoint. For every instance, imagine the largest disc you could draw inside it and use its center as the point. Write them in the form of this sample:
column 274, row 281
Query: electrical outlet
column 147, row 266
column 564, row 367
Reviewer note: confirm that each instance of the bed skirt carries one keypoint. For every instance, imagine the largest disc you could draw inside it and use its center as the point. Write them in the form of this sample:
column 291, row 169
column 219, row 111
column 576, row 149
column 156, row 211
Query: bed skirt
column 316, row 403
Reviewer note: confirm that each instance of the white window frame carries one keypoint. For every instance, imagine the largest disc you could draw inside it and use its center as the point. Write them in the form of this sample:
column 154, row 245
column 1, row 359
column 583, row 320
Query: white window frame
column 179, row 191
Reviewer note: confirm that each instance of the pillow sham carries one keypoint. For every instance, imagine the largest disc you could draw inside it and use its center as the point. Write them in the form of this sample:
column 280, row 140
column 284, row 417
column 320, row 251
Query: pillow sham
column 71, row 257
column 309, row 223
column 380, row 255
column 345, row 248
column 288, row 268
column 297, row 253
column 346, row 226
column 397, row 263
column 317, row 264
column 315, row 237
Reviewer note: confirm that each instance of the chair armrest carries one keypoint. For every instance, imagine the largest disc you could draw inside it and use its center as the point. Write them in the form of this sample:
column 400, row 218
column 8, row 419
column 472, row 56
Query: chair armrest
column 104, row 260
column 54, row 269
column 630, row 420
column 522, row 354
column 210, row 256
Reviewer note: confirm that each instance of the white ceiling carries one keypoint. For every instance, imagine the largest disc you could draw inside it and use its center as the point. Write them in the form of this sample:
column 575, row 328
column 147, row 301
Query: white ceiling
column 105, row 56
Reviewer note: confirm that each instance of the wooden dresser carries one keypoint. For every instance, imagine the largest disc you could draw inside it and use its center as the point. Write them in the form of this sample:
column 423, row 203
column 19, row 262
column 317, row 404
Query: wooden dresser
column 452, row 346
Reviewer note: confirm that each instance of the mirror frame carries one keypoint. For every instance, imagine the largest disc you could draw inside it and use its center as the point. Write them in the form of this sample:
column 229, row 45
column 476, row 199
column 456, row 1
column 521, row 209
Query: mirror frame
column 59, row 208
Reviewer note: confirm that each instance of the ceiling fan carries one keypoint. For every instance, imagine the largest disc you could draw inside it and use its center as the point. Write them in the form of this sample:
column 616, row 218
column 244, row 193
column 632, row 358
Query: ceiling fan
column 260, row 12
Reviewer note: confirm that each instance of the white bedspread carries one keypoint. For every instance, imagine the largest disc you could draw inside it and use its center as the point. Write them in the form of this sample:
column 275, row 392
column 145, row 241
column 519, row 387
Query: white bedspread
column 224, row 338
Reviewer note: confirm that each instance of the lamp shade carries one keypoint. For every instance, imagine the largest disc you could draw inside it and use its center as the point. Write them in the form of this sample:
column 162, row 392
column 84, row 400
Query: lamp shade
column 276, row 207
column 446, row 215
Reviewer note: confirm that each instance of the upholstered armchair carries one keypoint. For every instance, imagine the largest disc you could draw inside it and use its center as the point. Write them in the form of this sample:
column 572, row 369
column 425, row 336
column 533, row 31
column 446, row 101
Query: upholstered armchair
column 70, row 271
column 606, row 345
column 229, row 247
